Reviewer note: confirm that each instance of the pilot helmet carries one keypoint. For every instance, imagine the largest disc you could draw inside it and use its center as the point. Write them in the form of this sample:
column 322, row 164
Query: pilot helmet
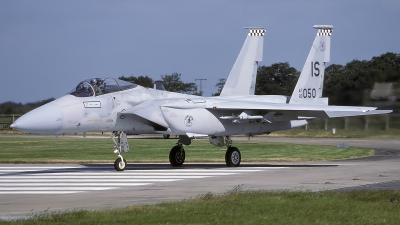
column 93, row 81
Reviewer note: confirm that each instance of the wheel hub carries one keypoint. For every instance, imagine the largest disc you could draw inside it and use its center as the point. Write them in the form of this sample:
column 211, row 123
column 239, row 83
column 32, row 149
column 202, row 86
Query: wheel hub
column 235, row 157
column 179, row 156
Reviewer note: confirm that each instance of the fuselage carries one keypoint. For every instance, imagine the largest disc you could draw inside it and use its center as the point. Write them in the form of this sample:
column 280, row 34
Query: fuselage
column 113, row 112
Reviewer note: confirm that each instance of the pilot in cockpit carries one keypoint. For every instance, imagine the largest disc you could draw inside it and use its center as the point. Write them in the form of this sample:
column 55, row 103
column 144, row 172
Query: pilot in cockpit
column 96, row 88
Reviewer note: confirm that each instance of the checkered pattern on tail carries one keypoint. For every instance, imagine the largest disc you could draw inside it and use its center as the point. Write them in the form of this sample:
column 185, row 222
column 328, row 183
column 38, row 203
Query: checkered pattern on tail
column 256, row 32
column 324, row 32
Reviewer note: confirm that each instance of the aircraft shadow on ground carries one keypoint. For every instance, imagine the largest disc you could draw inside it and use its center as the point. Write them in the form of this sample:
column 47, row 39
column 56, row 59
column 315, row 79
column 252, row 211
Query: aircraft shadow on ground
column 149, row 166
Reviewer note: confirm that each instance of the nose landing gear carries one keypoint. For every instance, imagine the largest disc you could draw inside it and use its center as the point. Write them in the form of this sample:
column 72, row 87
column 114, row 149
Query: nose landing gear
column 121, row 145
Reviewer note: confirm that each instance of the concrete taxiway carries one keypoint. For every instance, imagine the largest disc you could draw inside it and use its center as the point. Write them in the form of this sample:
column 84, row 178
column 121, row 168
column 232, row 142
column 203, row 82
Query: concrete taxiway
column 28, row 189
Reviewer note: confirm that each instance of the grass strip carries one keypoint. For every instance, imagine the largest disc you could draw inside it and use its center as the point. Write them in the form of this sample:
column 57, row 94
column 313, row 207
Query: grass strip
column 246, row 207
column 339, row 133
column 100, row 150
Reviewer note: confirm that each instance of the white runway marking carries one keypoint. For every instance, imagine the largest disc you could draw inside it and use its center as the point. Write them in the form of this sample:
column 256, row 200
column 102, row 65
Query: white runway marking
column 68, row 180
column 38, row 192
column 88, row 180
column 60, row 175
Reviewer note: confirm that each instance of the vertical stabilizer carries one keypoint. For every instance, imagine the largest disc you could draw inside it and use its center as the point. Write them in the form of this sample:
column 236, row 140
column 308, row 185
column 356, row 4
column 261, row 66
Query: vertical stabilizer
column 309, row 87
column 242, row 78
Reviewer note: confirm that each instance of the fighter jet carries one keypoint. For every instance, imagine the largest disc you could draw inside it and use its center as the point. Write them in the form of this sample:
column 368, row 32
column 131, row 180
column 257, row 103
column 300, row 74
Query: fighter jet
column 120, row 107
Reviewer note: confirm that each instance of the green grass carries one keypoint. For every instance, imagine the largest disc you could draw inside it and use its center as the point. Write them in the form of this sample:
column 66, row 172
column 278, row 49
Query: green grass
column 247, row 207
column 340, row 133
column 97, row 150
column 302, row 132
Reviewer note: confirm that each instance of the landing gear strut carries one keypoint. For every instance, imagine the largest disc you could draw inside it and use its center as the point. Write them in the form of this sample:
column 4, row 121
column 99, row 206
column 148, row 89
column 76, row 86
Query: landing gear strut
column 232, row 155
column 121, row 145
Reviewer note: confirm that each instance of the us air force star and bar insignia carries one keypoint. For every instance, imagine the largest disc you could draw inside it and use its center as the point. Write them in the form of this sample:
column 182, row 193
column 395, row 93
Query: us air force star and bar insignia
column 188, row 121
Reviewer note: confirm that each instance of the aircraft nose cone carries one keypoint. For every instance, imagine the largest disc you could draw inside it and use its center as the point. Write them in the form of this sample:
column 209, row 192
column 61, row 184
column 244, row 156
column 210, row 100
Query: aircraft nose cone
column 46, row 119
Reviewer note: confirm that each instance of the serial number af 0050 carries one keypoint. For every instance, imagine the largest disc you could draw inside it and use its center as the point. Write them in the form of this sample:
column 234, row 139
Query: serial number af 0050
column 307, row 93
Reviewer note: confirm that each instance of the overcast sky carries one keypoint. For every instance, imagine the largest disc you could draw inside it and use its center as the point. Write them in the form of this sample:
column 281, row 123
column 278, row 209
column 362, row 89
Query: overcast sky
column 47, row 47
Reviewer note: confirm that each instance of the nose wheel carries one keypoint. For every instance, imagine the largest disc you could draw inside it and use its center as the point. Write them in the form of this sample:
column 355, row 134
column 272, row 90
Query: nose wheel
column 120, row 145
column 120, row 164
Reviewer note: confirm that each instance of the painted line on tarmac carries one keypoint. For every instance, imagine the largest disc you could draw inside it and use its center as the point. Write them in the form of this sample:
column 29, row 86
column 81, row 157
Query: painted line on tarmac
column 105, row 177
column 72, row 184
column 40, row 167
column 55, row 188
column 68, row 180
column 38, row 192
column 137, row 174
column 86, row 180
column 127, row 171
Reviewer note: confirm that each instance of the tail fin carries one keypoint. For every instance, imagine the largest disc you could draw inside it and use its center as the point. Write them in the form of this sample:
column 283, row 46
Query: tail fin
column 242, row 78
column 310, row 84
column 158, row 84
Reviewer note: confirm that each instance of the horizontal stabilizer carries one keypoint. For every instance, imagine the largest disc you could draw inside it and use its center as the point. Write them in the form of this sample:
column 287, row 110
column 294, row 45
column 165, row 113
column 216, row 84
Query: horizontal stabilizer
column 352, row 113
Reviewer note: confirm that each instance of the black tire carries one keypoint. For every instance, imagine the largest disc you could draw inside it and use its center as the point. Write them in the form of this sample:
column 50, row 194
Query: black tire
column 233, row 157
column 175, row 156
column 166, row 136
column 118, row 165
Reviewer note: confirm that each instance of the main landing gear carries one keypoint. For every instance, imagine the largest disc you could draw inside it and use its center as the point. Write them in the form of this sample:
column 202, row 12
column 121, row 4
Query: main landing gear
column 232, row 155
column 177, row 153
column 121, row 145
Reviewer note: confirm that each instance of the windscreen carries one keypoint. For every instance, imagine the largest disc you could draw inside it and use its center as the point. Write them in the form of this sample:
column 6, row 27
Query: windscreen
column 99, row 86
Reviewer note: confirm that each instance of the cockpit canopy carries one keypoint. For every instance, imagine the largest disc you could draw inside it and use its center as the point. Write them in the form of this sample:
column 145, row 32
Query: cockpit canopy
column 100, row 86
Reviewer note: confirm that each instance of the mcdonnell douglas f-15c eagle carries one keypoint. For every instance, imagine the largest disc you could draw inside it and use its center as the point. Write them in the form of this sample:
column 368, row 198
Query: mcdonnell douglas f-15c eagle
column 112, row 105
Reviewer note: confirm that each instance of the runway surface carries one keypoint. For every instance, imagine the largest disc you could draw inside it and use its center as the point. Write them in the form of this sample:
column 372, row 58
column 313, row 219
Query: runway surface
column 60, row 179
column 29, row 189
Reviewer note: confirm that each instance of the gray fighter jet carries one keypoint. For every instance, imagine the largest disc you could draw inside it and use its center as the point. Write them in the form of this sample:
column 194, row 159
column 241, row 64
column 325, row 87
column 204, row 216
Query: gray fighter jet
column 119, row 107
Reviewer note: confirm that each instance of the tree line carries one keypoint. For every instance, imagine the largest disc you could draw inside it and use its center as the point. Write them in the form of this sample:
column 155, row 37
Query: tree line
column 19, row 108
column 343, row 84
column 172, row 82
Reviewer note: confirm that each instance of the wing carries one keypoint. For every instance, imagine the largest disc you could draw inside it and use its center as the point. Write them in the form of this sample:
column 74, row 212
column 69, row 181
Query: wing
column 307, row 111
column 249, row 109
